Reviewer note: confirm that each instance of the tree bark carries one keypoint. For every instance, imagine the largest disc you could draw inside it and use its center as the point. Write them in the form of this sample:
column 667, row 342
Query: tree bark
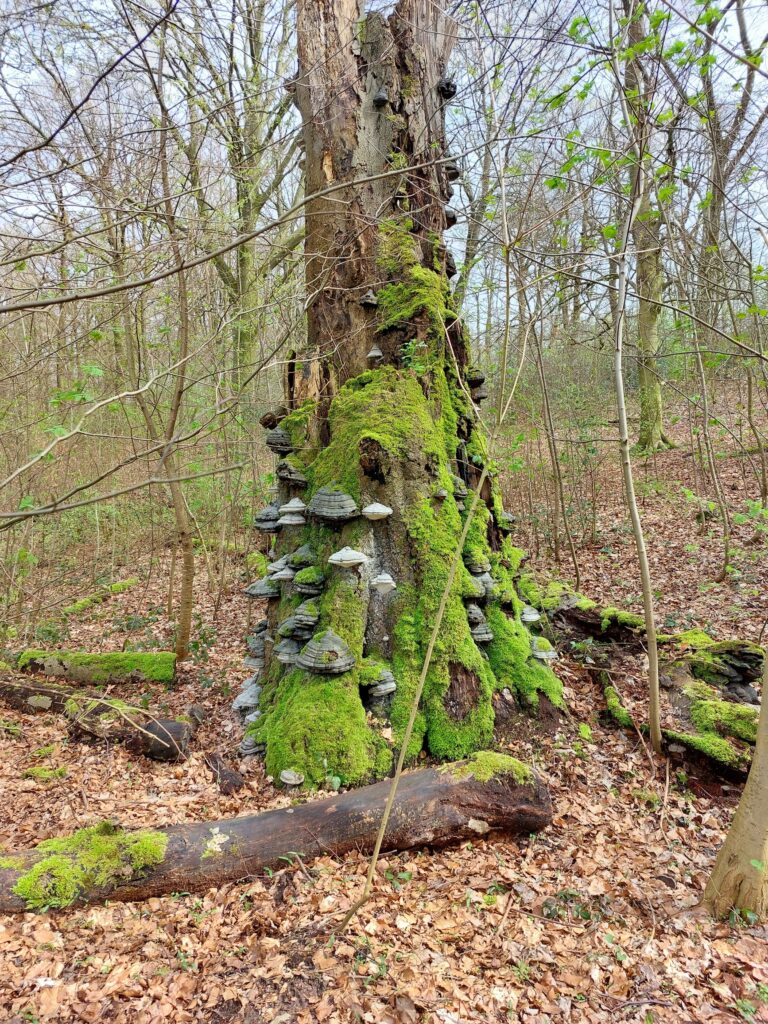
column 434, row 807
column 739, row 879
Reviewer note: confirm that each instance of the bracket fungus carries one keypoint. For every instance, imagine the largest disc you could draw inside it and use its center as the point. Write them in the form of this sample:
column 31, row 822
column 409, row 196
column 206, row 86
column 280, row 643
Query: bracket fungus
column 369, row 300
column 266, row 519
column 451, row 217
column 542, row 649
column 332, row 506
column 263, row 588
column 529, row 614
column 291, row 778
column 452, row 171
column 482, row 634
column 279, row 441
column 376, row 511
column 375, row 355
column 347, row 558
column 285, row 575
column 380, row 98
column 303, row 557
column 290, row 475
column 287, row 651
column 475, row 616
column 383, row 583
column 326, row 654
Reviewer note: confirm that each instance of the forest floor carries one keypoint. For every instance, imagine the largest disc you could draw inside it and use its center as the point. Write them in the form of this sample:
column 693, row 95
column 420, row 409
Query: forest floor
column 595, row 919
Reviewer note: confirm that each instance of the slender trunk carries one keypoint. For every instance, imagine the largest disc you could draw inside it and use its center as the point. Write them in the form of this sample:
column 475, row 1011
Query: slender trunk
column 654, row 707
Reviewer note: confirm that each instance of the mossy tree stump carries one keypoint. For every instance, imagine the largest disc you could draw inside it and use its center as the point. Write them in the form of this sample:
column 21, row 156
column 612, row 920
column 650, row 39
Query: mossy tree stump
column 399, row 428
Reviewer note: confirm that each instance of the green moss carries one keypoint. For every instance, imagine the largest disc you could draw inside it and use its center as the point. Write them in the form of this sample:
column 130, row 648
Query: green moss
column 552, row 595
column 11, row 863
column 714, row 747
column 616, row 617
column 694, row 638
column 397, row 248
column 45, row 751
column 382, row 409
column 81, row 606
column 510, row 656
column 317, row 725
column 100, row 857
column 256, row 562
column 296, row 423
column 122, row 585
column 86, row 603
column 313, row 574
column 157, row 666
column 41, row 774
column 710, row 714
column 616, row 709
column 485, row 765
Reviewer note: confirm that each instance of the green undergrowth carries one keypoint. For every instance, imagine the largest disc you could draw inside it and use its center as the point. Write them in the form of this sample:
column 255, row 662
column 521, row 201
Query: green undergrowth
column 155, row 666
column 484, row 765
column 100, row 857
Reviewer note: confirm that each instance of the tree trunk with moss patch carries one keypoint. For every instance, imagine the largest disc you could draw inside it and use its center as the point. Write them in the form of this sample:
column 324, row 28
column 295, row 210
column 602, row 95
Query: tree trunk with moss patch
column 399, row 428
column 434, row 807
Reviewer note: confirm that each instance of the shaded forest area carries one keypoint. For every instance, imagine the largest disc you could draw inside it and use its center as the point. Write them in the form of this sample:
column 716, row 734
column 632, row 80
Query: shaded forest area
column 385, row 506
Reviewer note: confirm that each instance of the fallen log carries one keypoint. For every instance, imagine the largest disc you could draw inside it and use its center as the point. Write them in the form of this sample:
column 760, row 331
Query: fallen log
column 101, row 668
column 93, row 714
column 434, row 807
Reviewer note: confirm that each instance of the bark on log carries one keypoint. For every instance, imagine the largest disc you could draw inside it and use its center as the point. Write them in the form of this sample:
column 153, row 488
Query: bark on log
column 434, row 807
column 227, row 779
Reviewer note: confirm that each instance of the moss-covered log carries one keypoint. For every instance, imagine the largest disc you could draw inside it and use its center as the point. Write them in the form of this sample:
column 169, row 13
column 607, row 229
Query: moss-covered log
column 380, row 408
column 106, row 718
column 99, row 669
column 490, row 792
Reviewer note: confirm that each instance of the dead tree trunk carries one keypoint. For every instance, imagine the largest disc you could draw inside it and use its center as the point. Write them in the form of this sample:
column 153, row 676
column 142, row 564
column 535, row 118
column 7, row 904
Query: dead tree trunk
column 379, row 411
column 433, row 807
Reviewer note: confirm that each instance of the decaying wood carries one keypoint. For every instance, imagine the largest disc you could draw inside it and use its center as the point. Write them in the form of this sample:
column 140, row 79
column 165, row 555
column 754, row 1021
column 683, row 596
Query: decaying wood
column 162, row 739
column 434, row 807
column 227, row 779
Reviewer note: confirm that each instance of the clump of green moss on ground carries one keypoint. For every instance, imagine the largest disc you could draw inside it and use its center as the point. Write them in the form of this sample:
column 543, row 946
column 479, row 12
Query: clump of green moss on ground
column 485, row 765
column 716, row 748
column 99, row 857
column 42, row 774
column 155, row 666
column 551, row 595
